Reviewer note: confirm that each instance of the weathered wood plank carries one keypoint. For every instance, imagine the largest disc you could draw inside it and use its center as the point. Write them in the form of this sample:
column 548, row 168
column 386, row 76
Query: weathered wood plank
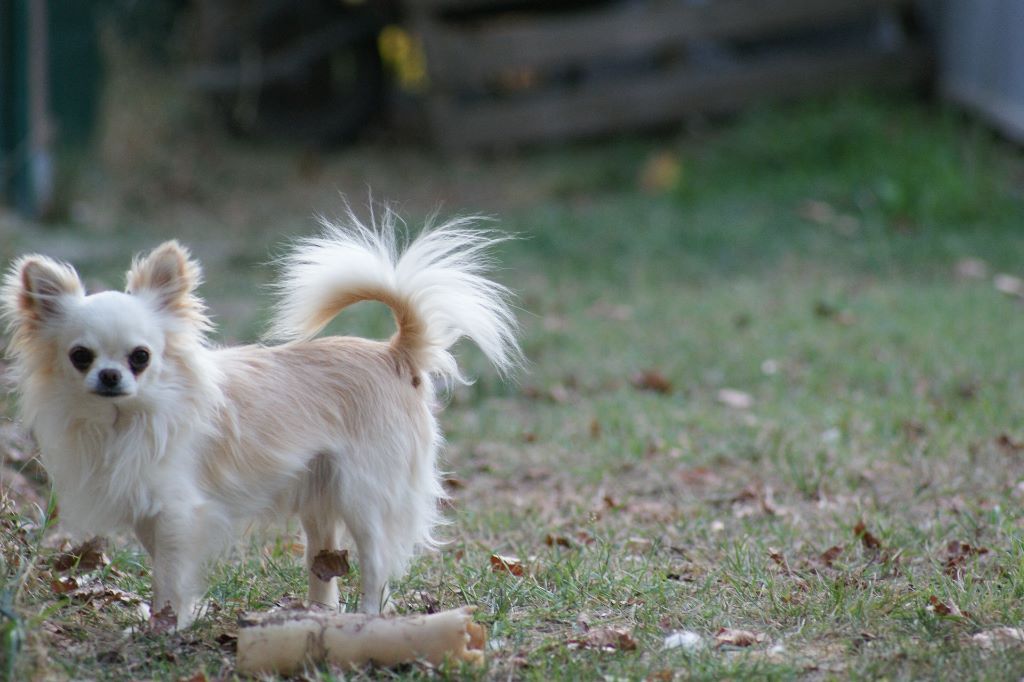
column 666, row 97
column 462, row 5
column 470, row 54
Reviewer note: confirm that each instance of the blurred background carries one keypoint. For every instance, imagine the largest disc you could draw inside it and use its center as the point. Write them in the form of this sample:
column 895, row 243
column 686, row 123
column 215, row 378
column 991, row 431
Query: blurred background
column 110, row 82
column 683, row 137
column 628, row 140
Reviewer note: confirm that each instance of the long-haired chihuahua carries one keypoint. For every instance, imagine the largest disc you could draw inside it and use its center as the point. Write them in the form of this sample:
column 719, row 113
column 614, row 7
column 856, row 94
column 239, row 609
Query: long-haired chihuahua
column 143, row 424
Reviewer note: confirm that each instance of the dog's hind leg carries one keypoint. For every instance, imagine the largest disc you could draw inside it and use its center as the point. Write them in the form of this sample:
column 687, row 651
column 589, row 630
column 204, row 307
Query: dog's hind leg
column 373, row 568
column 321, row 535
column 320, row 522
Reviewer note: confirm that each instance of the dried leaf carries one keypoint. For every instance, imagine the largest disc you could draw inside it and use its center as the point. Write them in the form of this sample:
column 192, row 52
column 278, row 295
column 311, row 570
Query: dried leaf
column 866, row 538
column 778, row 558
column 754, row 499
column 730, row 637
column 96, row 593
column 735, row 399
column 330, row 563
column 609, row 501
column 956, row 555
column 696, row 476
column 685, row 572
column 507, row 564
column 913, row 430
column 750, row 493
column 453, row 483
column 557, row 540
column 830, row 555
column 606, row 639
column 430, row 603
column 768, row 503
column 163, row 620
column 583, row 621
column 943, row 608
column 1009, row 444
column 227, row 641
column 535, row 474
column 87, row 556
column 585, row 538
column 651, row 380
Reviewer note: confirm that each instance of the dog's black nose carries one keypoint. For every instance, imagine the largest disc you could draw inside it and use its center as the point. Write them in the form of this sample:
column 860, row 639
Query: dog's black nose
column 109, row 378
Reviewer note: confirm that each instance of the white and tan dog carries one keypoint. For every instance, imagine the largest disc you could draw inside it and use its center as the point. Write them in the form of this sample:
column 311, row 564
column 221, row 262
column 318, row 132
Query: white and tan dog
column 142, row 424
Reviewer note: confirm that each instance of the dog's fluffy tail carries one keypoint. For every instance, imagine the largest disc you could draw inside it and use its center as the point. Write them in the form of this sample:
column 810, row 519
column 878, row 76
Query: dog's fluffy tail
column 434, row 285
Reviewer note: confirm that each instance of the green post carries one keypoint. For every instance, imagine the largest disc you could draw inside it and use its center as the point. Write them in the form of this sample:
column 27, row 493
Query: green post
column 49, row 89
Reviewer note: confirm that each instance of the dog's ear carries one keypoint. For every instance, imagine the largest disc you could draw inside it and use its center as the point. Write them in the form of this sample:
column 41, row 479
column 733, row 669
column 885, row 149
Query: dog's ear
column 170, row 276
column 37, row 288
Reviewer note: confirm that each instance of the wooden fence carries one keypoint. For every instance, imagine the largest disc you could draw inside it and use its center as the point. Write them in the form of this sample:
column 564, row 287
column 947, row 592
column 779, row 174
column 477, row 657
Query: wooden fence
column 509, row 72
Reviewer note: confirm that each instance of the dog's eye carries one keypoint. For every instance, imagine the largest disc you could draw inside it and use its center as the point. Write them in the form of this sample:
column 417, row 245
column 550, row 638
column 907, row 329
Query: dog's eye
column 138, row 359
column 81, row 358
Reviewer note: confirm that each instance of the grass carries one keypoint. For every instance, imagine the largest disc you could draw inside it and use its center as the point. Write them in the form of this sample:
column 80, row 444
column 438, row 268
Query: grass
column 861, row 516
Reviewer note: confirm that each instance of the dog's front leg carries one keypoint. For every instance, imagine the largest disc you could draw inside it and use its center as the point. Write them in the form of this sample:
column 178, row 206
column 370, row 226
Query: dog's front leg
column 145, row 531
column 174, row 549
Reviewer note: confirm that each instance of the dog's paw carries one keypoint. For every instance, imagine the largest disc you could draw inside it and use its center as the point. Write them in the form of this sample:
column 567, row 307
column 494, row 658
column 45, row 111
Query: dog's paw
column 165, row 620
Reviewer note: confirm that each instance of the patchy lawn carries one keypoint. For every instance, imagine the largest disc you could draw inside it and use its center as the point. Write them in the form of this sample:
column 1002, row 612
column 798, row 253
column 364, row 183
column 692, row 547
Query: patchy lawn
column 774, row 414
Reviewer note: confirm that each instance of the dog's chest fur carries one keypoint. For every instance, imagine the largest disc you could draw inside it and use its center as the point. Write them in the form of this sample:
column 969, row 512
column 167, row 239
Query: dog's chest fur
column 112, row 467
